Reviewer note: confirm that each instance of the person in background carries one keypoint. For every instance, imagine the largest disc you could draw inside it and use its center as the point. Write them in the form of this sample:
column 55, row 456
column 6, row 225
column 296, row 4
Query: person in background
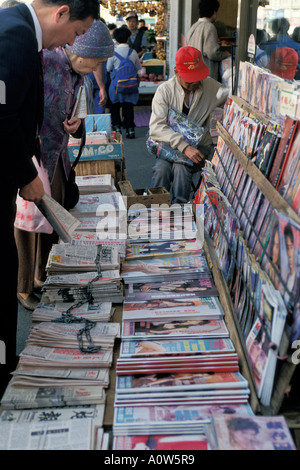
column 142, row 25
column 24, row 31
column 280, row 28
column 283, row 62
column 97, row 84
column 192, row 92
column 64, row 69
column 122, row 100
column 10, row 3
column 112, row 27
column 296, row 34
column 261, row 58
column 203, row 36
column 137, row 40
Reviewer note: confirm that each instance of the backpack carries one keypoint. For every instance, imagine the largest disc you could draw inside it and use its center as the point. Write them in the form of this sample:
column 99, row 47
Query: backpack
column 125, row 79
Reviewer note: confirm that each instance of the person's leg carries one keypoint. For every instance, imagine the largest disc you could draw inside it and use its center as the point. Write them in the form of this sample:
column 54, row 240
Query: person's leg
column 45, row 241
column 26, row 246
column 8, row 280
column 162, row 174
column 115, row 116
column 128, row 119
column 182, row 180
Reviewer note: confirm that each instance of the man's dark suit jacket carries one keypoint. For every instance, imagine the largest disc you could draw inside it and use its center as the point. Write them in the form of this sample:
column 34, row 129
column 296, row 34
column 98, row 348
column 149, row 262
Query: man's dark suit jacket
column 19, row 70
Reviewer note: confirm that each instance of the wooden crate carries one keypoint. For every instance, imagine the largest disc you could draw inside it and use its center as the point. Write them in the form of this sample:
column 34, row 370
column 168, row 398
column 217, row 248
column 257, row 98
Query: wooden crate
column 137, row 196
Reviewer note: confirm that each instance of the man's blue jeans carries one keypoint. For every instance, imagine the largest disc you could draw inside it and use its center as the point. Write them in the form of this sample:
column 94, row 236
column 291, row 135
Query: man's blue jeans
column 165, row 173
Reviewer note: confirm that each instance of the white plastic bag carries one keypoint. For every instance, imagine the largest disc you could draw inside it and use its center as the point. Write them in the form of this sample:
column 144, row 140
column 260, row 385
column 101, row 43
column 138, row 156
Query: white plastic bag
column 28, row 216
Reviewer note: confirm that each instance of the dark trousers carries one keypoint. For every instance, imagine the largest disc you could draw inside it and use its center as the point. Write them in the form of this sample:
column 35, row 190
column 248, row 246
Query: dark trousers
column 8, row 280
column 127, row 120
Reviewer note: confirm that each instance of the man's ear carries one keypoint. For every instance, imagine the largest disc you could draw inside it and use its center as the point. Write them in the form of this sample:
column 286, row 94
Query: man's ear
column 62, row 14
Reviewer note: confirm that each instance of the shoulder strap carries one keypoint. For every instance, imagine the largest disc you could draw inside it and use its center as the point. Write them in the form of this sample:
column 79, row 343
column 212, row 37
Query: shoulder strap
column 119, row 56
column 82, row 144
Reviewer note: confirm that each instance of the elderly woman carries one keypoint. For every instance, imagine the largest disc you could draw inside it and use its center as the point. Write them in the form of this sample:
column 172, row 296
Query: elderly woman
column 64, row 69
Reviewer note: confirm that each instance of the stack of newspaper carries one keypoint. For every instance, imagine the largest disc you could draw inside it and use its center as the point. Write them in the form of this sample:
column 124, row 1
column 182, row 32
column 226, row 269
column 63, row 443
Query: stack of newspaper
column 95, row 184
column 17, row 398
column 96, row 238
column 27, row 429
column 94, row 311
column 84, row 286
column 99, row 204
column 67, row 258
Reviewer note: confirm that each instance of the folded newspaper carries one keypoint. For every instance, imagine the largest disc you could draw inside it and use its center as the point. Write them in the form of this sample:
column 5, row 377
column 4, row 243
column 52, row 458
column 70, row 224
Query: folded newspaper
column 61, row 220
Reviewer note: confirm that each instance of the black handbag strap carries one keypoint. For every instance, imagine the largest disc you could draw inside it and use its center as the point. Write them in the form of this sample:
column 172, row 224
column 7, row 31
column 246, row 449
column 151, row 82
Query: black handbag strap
column 82, row 144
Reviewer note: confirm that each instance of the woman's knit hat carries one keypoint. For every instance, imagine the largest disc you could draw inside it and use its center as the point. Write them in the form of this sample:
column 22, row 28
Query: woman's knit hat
column 95, row 43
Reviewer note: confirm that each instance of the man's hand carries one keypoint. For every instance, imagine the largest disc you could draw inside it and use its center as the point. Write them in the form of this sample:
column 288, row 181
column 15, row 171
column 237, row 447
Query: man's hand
column 194, row 154
column 33, row 191
column 71, row 125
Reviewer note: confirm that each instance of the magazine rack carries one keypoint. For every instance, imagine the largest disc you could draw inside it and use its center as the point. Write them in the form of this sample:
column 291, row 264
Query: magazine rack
column 287, row 367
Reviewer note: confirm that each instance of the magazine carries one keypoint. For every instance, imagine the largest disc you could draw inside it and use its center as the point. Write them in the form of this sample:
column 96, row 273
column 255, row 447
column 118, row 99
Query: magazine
column 162, row 249
column 205, row 308
column 165, row 347
column 201, row 287
column 155, row 269
column 252, row 433
column 160, row 329
column 179, row 382
column 157, row 442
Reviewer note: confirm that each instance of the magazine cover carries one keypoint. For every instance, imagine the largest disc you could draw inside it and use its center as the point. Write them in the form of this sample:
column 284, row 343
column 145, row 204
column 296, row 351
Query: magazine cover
column 156, row 269
column 176, row 328
column 287, row 133
column 289, row 239
column 182, row 288
column 167, row 248
column 157, row 442
column 177, row 347
column 252, row 433
column 203, row 307
column 179, row 382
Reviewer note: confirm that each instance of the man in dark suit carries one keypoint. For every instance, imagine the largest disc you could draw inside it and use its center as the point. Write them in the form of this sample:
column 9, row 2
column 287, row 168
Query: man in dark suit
column 24, row 31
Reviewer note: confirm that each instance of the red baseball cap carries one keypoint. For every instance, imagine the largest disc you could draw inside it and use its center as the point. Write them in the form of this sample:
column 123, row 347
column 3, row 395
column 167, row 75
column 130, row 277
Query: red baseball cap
column 283, row 62
column 190, row 65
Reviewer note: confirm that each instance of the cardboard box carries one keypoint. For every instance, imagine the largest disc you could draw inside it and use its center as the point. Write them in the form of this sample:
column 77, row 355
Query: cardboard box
column 104, row 151
column 137, row 196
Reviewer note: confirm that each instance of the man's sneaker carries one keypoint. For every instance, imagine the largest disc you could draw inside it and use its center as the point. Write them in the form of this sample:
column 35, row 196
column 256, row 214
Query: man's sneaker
column 117, row 129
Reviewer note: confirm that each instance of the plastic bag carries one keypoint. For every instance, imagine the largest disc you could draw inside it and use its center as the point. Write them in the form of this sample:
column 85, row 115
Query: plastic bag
column 165, row 152
column 28, row 216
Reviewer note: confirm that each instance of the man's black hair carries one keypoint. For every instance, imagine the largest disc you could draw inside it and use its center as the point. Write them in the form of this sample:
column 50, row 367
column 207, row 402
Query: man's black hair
column 208, row 7
column 79, row 9
column 121, row 35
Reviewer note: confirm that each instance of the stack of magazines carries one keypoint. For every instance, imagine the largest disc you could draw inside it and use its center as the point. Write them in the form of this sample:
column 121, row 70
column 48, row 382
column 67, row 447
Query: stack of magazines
column 162, row 223
column 176, row 357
